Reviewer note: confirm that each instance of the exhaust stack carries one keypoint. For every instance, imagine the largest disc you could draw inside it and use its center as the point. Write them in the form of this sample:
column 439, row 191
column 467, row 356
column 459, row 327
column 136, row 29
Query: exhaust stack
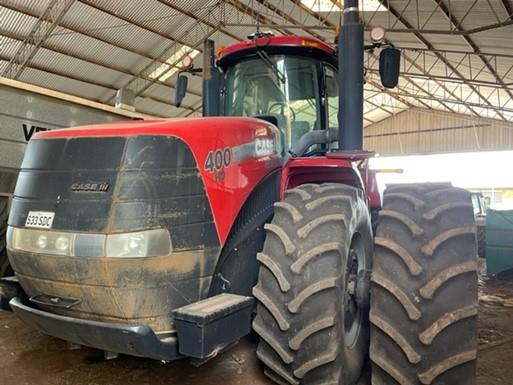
column 211, row 80
column 350, row 79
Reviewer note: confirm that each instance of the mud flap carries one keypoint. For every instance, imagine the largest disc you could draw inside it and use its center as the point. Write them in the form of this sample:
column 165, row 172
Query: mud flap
column 206, row 327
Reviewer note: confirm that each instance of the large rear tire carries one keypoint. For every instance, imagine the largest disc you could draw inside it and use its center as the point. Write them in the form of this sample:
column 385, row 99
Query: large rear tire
column 424, row 288
column 312, row 318
column 5, row 268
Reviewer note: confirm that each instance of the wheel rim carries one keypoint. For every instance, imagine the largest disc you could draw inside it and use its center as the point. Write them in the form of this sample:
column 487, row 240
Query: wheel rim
column 353, row 314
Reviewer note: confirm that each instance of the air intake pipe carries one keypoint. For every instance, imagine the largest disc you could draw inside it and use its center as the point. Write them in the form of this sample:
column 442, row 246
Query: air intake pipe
column 311, row 138
column 350, row 79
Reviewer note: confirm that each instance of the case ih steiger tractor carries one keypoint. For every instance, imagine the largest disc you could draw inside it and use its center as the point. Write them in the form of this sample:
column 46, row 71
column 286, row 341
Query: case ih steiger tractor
column 154, row 238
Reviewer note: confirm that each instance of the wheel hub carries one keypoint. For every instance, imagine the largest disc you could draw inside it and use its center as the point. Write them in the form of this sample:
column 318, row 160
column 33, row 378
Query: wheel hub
column 352, row 313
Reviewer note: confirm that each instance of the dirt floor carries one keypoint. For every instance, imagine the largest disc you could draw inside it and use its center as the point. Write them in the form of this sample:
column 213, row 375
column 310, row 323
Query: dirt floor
column 29, row 358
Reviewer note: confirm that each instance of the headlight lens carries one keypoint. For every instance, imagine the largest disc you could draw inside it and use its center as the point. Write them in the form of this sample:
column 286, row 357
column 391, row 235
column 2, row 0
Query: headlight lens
column 41, row 241
column 62, row 243
column 149, row 243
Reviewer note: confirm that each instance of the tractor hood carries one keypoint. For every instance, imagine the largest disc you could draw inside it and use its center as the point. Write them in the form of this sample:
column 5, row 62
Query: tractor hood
column 109, row 178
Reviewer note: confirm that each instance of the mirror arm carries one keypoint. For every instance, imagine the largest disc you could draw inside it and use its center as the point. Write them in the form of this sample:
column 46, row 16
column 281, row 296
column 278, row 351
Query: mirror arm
column 193, row 70
column 370, row 47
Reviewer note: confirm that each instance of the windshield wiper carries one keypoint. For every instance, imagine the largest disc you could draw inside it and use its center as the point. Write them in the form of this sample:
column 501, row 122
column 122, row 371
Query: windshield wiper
column 267, row 60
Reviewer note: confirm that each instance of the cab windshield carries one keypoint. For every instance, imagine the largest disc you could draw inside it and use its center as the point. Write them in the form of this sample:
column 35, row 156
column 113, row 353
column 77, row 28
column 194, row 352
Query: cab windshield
column 286, row 88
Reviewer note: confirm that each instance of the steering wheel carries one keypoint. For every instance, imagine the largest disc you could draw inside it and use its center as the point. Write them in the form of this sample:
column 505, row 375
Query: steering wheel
column 283, row 106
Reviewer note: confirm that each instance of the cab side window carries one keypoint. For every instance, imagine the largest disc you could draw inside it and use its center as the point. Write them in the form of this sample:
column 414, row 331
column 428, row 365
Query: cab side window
column 331, row 96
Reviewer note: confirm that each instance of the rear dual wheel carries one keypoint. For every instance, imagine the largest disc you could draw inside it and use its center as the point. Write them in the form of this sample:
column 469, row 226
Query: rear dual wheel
column 311, row 316
column 424, row 288
column 423, row 298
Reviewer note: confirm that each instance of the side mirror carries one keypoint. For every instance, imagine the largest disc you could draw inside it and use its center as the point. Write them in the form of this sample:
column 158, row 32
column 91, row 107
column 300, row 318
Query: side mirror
column 389, row 66
column 181, row 89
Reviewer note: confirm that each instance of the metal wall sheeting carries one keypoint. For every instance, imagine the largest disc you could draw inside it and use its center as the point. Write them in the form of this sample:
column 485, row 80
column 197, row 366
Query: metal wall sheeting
column 419, row 131
column 21, row 107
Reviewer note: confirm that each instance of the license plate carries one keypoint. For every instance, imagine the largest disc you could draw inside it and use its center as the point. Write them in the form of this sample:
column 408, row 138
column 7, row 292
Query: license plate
column 40, row 219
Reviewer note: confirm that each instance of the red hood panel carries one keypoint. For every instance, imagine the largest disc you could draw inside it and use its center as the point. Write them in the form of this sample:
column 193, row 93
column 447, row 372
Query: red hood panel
column 151, row 127
column 233, row 154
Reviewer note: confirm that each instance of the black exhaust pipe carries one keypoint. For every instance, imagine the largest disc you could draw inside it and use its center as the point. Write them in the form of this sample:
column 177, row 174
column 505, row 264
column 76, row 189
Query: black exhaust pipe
column 211, row 81
column 350, row 79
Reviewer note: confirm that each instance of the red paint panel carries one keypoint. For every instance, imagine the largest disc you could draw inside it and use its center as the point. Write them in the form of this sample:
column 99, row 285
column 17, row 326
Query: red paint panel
column 227, row 187
column 319, row 169
column 371, row 187
column 279, row 41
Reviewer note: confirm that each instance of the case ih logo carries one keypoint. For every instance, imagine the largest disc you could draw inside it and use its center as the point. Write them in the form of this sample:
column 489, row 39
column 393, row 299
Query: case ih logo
column 90, row 187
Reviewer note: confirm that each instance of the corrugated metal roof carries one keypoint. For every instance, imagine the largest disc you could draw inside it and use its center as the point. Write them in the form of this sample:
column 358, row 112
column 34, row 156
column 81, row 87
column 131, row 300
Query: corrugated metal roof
column 100, row 45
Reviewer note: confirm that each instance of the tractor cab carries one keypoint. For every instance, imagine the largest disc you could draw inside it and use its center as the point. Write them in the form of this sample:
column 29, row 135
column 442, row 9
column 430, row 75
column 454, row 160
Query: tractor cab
column 289, row 81
column 292, row 84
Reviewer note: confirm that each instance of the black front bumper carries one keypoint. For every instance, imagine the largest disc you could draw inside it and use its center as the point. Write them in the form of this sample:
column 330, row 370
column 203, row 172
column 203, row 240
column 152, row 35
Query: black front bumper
column 134, row 340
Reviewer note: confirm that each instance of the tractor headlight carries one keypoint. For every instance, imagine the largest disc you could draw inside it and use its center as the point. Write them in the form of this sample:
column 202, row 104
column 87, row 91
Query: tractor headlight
column 40, row 241
column 148, row 243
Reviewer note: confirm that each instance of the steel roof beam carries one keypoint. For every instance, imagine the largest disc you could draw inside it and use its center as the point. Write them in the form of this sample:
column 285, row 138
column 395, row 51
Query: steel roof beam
column 27, row 12
column 288, row 18
column 508, row 7
column 449, row 79
column 201, row 21
column 445, row 51
column 330, row 24
column 450, row 16
column 256, row 16
column 466, row 104
column 133, row 22
column 82, row 58
column 427, row 43
column 165, row 53
column 506, row 23
column 40, row 31
column 97, row 83
column 9, row 5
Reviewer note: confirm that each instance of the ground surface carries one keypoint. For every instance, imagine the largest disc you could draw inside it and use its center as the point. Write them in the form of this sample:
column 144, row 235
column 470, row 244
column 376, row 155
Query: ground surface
column 29, row 358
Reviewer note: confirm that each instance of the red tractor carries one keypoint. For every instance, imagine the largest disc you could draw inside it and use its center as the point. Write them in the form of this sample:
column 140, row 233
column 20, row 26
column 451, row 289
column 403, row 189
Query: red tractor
column 153, row 238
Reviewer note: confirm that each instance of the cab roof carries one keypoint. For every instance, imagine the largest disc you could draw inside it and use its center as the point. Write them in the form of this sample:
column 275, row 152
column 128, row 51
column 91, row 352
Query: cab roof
column 276, row 44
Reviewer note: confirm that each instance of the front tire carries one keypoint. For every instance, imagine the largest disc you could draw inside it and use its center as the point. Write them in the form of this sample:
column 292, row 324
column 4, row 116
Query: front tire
column 312, row 324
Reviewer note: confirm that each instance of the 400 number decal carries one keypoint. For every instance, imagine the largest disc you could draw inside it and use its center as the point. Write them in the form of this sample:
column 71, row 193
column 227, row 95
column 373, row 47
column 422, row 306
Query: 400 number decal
column 218, row 159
